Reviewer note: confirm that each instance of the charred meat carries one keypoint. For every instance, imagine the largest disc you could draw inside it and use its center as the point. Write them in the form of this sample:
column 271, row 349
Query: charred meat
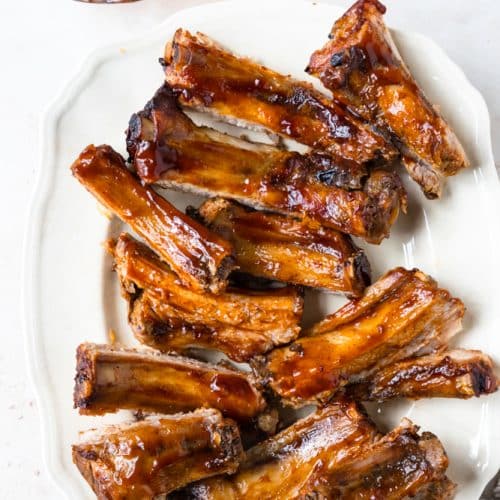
column 458, row 373
column 399, row 465
column 208, row 77
column 168, row 149
column 361, row 65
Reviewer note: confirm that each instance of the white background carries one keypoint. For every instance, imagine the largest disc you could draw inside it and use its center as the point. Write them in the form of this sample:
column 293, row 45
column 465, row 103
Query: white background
column 42, row 44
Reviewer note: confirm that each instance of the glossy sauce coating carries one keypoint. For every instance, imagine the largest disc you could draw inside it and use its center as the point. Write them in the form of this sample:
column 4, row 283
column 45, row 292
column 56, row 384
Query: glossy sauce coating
column 362, row 67
column 201, row 259
column 336, row 453
column 401, row 314
column 167, row 148
column 457, row 373
column 158, row 455
column 109, row 379
column 400, row 465
column 284, row 466
column 287, row 249
column 166, row 315
column 207, row 76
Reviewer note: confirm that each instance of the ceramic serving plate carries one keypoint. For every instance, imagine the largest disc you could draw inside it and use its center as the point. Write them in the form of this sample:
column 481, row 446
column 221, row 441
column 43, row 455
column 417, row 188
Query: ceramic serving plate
column 71, row 295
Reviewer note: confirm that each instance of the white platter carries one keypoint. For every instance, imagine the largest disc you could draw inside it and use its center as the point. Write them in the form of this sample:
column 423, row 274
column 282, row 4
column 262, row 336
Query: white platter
column 71, row 295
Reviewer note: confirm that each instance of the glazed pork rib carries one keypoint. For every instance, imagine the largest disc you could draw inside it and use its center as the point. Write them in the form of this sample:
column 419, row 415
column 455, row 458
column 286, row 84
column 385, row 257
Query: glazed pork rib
column 209, row 78
column 400, row 465
column 282, row 248
column 166, row 328
column 404, row 313
column 333, row 453
column 361, row 65
column 157, row 455
column 284, row 464
column 168, row 316
column 458, row 373
column 201, row 259
column 168, row 149
column 109, row 379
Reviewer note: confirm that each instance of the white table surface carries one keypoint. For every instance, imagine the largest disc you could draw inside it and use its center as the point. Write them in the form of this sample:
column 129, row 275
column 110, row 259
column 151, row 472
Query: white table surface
column 42, row 43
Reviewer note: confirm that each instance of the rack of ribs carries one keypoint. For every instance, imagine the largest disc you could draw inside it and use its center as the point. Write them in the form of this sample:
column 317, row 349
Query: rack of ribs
column 168, row 149
column 109, row 379
column 283, row 248
column 166, row 315
column 158, row 454
column 362, row 67
column 201, row 259
column 403, row 314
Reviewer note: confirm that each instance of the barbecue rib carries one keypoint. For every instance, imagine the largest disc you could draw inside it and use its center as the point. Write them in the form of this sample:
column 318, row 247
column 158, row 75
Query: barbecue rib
column 201, row 259
column 361, row 65
column 157, row 455
column 166, row 315
column 402, row 314
column 168, row 149
column 286, row 249
column 163, row 327
column 207, row 77
column 334, row 453
column 281, row 466
column 400, row 465
column 453, row 374
column 109, row 379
